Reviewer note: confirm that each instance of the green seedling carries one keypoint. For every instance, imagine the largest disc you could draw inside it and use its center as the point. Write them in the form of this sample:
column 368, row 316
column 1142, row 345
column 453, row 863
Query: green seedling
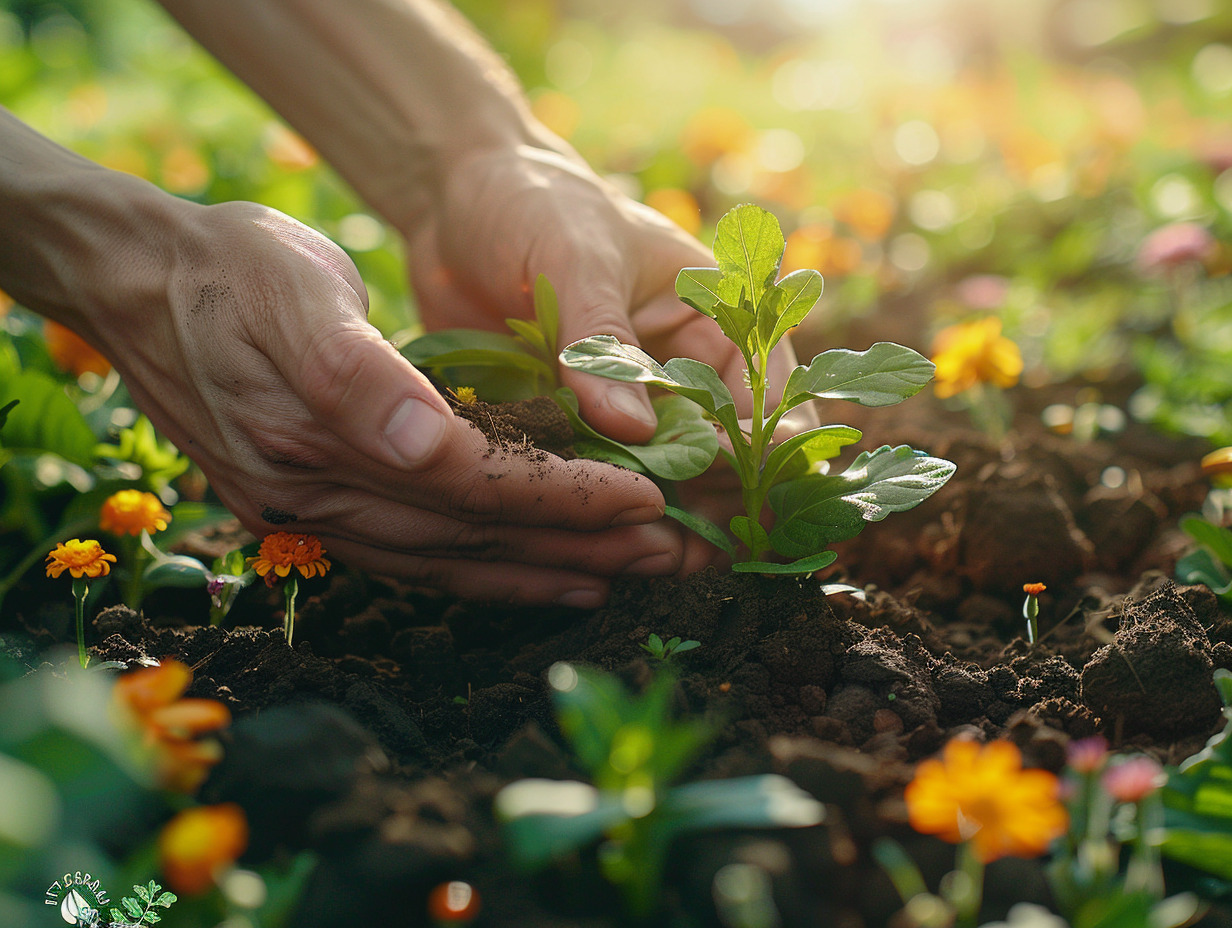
column 1210, row 564
column 140, row 909
column 634, row 750
column 813, row 508
column 662, row 650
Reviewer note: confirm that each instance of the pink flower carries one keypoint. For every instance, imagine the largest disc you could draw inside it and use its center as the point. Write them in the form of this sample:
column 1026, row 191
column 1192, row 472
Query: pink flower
column 1133, row 780
column 1173, row 245
column 983, row 292
column 1087, row 755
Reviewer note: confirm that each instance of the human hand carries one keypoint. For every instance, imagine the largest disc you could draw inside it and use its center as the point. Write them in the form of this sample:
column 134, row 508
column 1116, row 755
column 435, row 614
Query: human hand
column 261, row 366
column 503, row 217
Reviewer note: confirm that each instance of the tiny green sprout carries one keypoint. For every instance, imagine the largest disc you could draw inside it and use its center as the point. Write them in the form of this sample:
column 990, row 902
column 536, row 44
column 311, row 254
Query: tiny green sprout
column 813, row 508
column 662, row 650
column 141, row 906
column 1030, row 609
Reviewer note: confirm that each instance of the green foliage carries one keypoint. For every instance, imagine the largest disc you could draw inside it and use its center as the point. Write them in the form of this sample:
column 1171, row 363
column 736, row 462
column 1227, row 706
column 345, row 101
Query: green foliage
column 1198, row 802
column 158, row 460
column 1211, row 564
column 662, row 650
column 812, row 508
column 634, row 750
column 142, row 908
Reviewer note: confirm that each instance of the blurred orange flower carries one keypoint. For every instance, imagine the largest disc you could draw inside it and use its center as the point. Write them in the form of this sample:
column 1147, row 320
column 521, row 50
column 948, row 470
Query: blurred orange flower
column 712, row 132
column 71, row 352
column 974, row 352
column 129, row 512
column 816, row 246
column 170, row 727
column 981, row 793
column 198, row 845
column 281, row 551
column 868, row 212
column 80, row 558
column 678, row 205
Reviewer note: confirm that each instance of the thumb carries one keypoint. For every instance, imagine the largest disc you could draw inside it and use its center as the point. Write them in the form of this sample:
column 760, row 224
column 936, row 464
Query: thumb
column 620, row 410
column 358, row 386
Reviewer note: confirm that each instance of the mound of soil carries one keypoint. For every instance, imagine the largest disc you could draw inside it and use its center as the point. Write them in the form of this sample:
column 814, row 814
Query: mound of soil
column 381, row 738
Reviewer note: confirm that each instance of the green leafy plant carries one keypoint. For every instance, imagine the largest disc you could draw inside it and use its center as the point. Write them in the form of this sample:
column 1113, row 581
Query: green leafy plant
column 813, row 508
column 634, row 750
column 1210, row 564
column 662, row 650
column 141, row 910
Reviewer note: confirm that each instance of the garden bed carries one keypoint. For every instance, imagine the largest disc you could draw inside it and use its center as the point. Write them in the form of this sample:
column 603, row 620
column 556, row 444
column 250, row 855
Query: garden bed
column 443, row 702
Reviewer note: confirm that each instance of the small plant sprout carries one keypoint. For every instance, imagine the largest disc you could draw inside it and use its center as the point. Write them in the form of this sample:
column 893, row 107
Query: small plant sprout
column 662, row 650
column 140, row 909
column 1030, row 609
column 133, row 516
column 229, row 575
column 280, row 554
column 85, row 561
column 813, row 509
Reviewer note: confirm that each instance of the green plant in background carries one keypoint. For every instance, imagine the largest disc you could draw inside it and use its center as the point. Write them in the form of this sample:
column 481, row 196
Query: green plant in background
column 634, row 750
column 662, row 650
column 1211, row 563
column 141, row 906
column 813, row 509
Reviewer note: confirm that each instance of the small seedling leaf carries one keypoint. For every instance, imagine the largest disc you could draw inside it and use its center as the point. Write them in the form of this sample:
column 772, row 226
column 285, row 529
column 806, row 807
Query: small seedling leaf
column 655, row 643
column 748, row 245
column 801, row 567
column 547, row 314
column 750, row 533
column 767, row 801
column 797, row 455
column 529, row 333
column 801, row 291
column 1201, row 566
column 685, row 646
column 885, row 374
column 699, row 287
column 704, row 527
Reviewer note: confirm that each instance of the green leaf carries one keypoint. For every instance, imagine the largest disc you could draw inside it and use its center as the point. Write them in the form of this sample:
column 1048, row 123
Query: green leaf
column 607, row 356
column 883, row 375
column 655, row 642
column 748, row 246
column 801, row 291
column 685, row 646
column 529, row 333
column 133, row 908
column 1218, row 539
column 547, row 313
column 683, row 446
column 796, row 456
column 46, row 420
column 166, row 900
column 1201, row 566
column 704, row 527
column 542, row 820
column 768, row 316
column 801, row 567
column 766, row 801
column 817, row 510
column 750, row 533
column 5, row 410
column 699, row 287
column 152, row 917
column 175, row 570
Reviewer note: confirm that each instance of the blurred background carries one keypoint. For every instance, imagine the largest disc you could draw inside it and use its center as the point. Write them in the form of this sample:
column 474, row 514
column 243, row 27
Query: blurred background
column 935, row 159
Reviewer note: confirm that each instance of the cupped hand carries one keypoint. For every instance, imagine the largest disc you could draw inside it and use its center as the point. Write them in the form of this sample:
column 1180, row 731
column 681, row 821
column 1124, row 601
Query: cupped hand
column 258, row 362
column 503, row 217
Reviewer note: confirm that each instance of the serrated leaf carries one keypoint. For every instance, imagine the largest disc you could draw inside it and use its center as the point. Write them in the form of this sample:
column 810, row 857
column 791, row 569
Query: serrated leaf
column 800, row 567
column 547, row 313
column 817, row 510
column 748, row 246
column 704, row 527
column 885, row 374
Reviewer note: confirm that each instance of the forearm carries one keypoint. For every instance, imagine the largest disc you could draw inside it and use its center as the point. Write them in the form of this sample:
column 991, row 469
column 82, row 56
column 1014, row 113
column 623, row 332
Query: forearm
column 78, row 243
column 391, row 92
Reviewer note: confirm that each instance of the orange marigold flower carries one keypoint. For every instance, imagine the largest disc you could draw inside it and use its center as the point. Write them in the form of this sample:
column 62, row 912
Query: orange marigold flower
column 1033, row 589
column 980, row 793
column 200, row 844
column 150, row 701
column 281, row 551
column 454, row 902
column 71, row 352
column 128, row 512
column 974, row 352
column 80, row 558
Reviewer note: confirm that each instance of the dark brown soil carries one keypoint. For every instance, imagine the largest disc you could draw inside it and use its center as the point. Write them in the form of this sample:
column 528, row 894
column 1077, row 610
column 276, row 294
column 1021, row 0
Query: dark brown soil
column 380, row 739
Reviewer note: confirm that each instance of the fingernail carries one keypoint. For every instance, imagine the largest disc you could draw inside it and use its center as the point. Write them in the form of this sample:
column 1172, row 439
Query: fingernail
column 632, row 403
column 414, row 431
column 642, row 516
column 581, row 599
column 654, row 565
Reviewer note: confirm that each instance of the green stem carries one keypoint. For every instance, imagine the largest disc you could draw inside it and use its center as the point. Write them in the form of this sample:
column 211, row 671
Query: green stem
column 288, row 623
column 752, row 492
column 135, row 557
column 39, row 551
column 81, row 587
column 969, row 895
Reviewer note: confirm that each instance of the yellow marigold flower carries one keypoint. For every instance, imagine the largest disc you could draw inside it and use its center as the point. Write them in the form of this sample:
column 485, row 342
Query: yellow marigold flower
column 149, row 701
column 71, row 352
column 281, row 551
column 198, row 846
column 128, row 512
column 974, row 352
column 981, row 793
column 80, row 559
